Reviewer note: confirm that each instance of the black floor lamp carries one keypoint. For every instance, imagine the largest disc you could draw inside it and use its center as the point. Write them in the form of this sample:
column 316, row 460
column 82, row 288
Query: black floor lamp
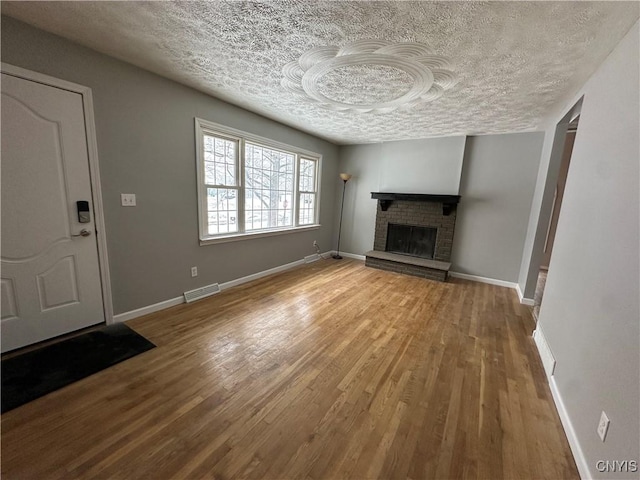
column 345, row 178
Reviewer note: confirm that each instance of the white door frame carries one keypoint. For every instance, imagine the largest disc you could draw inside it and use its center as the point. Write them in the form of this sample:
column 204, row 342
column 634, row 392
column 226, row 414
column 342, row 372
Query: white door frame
column 94, row 171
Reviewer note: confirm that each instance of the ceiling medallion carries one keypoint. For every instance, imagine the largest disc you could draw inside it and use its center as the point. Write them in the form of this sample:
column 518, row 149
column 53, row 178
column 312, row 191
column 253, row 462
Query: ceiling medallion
column 374, row 76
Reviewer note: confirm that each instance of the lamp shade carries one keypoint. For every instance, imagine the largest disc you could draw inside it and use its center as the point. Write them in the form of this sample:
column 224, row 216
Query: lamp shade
column 345, row 176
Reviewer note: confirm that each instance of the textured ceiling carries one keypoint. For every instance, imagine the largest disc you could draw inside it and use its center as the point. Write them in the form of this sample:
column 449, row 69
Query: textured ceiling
column 508, row 63
column 369, row 76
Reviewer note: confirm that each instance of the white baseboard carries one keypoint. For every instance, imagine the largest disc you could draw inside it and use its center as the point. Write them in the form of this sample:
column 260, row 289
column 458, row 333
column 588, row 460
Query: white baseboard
column 476, row 278
column 549, row 366
column 524, row 301
column 264, row 273
column 353, row 255
column 139, row 312
column 495, row 281
column 574, row 444
column 330, row 253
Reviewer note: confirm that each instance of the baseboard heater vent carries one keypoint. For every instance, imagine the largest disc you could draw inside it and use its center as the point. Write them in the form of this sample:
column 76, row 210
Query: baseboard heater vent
column 198, row 293
column 312, row 258
column 548, row 360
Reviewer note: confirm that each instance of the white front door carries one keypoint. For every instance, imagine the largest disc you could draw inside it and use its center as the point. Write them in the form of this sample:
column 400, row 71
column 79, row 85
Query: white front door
column 50, row 271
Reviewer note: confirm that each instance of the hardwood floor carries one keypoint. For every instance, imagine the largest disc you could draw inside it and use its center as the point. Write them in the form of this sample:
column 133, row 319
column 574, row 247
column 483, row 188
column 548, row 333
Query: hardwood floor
column 331, row 370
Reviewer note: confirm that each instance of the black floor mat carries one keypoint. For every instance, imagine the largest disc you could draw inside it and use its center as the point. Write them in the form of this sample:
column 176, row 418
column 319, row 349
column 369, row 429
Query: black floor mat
column 36, row 373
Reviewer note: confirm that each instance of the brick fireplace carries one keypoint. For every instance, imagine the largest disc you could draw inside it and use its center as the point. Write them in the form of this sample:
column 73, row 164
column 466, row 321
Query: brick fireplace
column 414, row 234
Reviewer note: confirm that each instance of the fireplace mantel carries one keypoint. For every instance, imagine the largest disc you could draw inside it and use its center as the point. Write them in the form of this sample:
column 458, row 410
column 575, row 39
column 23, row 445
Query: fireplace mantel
column 386, row 198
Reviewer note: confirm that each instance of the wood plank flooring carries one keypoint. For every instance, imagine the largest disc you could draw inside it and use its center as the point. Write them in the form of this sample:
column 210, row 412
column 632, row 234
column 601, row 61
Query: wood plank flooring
column 331, row 370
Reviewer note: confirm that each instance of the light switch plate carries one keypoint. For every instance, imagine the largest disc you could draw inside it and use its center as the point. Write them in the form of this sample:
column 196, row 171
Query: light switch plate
column 128, row 199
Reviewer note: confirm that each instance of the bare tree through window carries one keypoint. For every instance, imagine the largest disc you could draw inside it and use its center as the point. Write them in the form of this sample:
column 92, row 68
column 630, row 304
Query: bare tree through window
column 269, row 186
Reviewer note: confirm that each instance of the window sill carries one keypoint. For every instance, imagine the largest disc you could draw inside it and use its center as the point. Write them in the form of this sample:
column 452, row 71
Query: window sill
column 234, row 237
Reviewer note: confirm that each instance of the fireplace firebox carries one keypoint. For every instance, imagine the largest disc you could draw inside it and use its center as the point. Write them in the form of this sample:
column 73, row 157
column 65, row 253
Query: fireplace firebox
column 411, row 240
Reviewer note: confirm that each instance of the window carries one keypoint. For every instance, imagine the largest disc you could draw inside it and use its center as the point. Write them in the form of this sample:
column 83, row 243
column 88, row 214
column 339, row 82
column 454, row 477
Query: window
column 249, row 185
column 307, row 191
column 268, row 176
column 221, row 182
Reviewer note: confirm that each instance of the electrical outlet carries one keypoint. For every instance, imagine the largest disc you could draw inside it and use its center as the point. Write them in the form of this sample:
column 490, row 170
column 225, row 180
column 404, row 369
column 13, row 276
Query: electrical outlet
column 315, row 243
column 194, row 271
column 603, row 426
column 128, row 199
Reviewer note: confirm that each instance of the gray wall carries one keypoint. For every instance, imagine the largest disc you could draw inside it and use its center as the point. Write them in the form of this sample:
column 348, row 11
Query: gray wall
column 498, row 180
column 494, row 174
column 146, row 145
column 590, row 313
column 413, row 166
column 430, row 165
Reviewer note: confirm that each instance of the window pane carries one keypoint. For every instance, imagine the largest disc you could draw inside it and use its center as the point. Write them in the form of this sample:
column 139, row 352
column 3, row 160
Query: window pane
column 269, row 188
column 307, row 175
column 220, row 161
column 222, row 210
column 307, row 209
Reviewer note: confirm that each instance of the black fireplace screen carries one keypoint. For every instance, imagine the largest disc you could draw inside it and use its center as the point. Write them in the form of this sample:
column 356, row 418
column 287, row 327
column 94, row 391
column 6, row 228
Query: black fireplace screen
column 411, row 240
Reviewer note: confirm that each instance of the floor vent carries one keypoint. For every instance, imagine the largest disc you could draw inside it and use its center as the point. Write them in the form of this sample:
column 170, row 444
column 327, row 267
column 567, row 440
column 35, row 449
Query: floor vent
column 198, row 293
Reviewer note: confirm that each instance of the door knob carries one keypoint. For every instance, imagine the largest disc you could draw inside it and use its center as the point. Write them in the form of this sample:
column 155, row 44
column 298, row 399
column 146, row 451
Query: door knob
column 83, row 233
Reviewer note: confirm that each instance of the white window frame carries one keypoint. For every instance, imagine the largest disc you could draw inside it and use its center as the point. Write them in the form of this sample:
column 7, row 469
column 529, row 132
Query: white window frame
column 299, row 193
column 203, row 127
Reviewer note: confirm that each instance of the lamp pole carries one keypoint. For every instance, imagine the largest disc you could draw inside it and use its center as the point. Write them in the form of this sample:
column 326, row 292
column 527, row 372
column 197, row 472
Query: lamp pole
column 345, row 178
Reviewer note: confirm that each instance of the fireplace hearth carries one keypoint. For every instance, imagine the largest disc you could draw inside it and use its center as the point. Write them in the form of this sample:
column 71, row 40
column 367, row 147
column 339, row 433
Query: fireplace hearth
column 414, row 234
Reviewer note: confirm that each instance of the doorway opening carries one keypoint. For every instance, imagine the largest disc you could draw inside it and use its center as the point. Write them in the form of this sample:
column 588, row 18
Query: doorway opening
column 563, row 172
